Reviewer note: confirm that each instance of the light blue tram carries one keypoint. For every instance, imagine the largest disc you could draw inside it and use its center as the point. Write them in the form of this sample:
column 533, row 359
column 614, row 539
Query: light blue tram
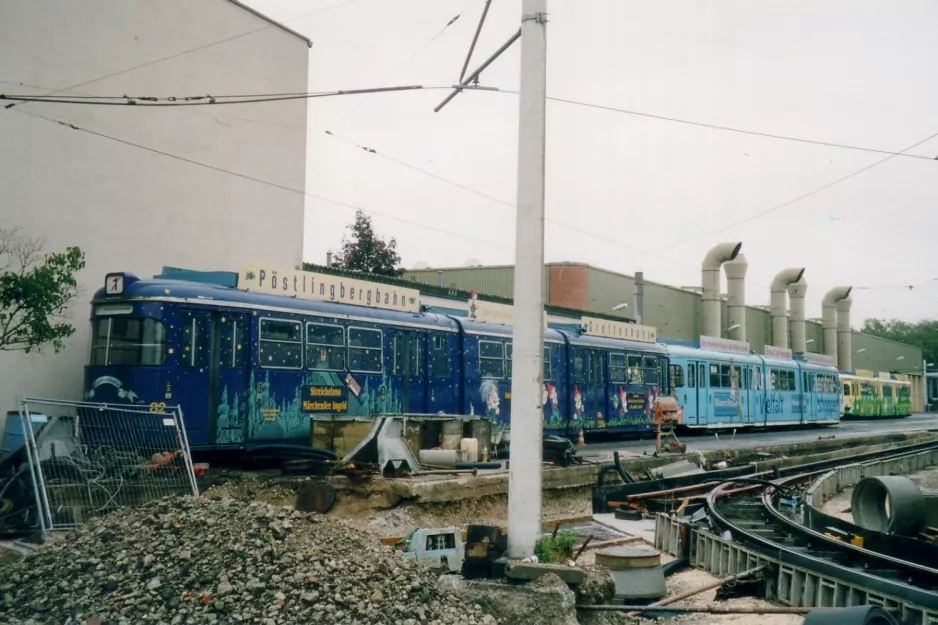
column 717, row 390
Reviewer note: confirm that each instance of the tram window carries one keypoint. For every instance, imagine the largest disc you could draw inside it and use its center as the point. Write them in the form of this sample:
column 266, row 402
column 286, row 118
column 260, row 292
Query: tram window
column 580, row 372
column 701, row 376
column 691, row 375
column 231, row 346
column 418, row 344
column 635, row 369
column 782, row 380
column 365, row 350
column 439, row 362
column 124, row 341
column 651, row 370
column 887, row 391
column 325, row 347
column 846, row 389
column 618, row 368
column 714, row 376
column 726, row 377
column 491, row 359
column 905, row 392
column 195, row 342
column 677, row 376
column 746, row 372
column 547, row 371
column 281, row 344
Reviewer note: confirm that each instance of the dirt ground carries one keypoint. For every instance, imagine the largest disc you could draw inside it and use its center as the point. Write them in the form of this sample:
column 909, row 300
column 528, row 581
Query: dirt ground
column 927, row 481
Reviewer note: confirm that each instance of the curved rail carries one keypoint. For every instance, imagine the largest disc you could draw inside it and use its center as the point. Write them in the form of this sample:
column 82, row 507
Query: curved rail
column 752, row 518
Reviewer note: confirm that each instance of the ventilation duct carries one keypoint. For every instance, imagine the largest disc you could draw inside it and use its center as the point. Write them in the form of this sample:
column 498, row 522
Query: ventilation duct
column 829, row 319
column 710, row 323
column 777, row 303
column 844, row 335
column 736, row 291
column 796, row 295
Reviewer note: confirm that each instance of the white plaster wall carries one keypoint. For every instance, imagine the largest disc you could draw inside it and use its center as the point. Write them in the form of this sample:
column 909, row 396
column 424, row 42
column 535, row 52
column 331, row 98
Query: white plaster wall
column 127, row 208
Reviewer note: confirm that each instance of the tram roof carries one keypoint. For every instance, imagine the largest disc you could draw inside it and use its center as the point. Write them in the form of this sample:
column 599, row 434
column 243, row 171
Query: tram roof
column 206, row 294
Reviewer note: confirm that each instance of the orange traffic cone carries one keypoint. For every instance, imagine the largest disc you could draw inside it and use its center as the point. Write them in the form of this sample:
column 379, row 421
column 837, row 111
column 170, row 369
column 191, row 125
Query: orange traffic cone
column 580, row 441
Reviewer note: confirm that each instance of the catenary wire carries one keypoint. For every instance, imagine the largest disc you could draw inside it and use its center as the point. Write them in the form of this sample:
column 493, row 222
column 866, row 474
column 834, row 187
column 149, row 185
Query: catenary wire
column 201, row 47
column 801, row 197
column 262, row 181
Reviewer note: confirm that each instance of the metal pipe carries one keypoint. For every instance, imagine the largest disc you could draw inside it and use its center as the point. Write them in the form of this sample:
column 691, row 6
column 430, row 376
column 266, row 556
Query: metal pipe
column 829, row 318
column 475, row 38
column 709, row 609
column 844, row 335
column 796, row 296
column 524, row 477
column 710, row 281
column 777, row 303
column 736, row 292
column 474, row 74
column 328, row 259
column 690, row 593
column 639, row 297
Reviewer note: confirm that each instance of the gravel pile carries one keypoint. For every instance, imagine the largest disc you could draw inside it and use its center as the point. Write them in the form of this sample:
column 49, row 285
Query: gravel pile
column 224, row 561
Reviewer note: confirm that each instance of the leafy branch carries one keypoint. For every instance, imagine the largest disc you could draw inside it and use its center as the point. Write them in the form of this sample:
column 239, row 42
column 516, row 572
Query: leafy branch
column 35, row 292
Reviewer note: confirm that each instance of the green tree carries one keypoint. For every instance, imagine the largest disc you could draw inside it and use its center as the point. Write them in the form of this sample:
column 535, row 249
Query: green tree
column 923, row 335
column 35, row 293
column 366, row 251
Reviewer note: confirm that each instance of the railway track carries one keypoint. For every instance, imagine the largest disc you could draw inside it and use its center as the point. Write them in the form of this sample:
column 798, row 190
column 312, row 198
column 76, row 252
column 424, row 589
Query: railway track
column 752, row 521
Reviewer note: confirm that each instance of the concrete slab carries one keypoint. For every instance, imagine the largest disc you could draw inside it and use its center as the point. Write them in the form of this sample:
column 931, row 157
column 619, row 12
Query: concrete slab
column 644, row 529
column 529, row 571
column 515, row 604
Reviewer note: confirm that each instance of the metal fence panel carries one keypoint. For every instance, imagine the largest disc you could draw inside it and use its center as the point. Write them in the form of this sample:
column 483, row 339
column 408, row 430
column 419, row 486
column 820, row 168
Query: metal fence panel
column 88, row 459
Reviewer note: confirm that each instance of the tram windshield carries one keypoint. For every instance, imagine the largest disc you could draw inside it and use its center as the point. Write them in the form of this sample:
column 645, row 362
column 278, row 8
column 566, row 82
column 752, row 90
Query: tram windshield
column 127, row 341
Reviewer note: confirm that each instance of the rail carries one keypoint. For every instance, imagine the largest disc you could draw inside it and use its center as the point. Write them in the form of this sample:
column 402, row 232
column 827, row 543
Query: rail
column 748, row 528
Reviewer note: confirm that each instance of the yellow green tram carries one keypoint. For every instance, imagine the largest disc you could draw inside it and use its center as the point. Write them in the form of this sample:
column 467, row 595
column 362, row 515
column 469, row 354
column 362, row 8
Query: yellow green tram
column 870, row 398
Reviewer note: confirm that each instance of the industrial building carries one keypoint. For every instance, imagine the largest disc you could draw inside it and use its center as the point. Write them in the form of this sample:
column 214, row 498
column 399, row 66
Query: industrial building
column 684, row 314
column 136, row 187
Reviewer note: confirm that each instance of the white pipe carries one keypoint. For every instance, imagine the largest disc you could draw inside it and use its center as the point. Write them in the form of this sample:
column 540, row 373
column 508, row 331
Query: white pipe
column 777, row 303
column 844, row 335
column 829, row 318
column 527, row 418
column 710, row 281
column 796, row 295
column 736, row 292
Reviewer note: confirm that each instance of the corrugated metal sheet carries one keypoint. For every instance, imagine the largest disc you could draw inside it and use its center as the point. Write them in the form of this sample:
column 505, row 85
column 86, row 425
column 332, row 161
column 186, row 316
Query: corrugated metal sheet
column 494, row 281
column 607, row 290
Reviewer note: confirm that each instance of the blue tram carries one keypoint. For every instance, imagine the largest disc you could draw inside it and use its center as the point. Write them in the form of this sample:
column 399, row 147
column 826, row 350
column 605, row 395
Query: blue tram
column 253, row 368
column 717, row 390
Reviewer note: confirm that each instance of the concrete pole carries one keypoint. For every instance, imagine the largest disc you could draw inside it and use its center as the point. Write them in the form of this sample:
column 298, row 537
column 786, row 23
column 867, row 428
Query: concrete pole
column 527, row 410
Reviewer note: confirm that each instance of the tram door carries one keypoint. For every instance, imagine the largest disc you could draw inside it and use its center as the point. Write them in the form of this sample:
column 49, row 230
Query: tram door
column 808, row 405
column 695, row 397
column 215, row 352
column 409, row 369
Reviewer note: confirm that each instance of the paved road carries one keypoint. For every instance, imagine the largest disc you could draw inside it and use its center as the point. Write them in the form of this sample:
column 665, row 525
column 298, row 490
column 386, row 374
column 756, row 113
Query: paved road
column 708, row 441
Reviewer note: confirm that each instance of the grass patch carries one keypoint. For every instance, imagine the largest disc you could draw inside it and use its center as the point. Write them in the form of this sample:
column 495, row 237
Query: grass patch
column 557, row 549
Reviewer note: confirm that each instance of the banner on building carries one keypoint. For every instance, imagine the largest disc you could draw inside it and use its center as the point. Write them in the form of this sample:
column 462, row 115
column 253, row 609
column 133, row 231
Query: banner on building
column 618, row 330
column 493, row 312
column 729, row 346
column 778, row 352
column 328, row 288
column 819, row 359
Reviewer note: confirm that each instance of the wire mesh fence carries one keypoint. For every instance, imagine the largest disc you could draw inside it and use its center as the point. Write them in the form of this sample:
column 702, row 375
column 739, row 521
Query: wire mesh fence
column 88, row 459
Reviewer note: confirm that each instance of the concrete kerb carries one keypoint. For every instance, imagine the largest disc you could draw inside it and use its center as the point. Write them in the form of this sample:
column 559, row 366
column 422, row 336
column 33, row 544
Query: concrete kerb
column 439, row 489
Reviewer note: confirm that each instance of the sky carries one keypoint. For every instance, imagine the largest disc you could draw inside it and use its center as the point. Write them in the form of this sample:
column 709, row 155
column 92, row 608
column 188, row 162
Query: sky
column 629, row 192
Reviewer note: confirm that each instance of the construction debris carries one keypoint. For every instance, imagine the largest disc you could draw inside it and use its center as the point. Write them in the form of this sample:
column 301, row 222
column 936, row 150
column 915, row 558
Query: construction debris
column 225, row 561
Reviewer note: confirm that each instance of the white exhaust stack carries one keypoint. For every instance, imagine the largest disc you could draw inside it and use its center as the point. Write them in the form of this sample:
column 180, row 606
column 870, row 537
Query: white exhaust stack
column 736, row 290
column 796, row 295
column 710, row 312
column 829, row 319
column 777, row 304
column 844, row 335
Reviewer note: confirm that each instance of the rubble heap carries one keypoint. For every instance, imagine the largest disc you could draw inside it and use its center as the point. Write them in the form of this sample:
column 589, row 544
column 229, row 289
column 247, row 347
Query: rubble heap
column 224, row 561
